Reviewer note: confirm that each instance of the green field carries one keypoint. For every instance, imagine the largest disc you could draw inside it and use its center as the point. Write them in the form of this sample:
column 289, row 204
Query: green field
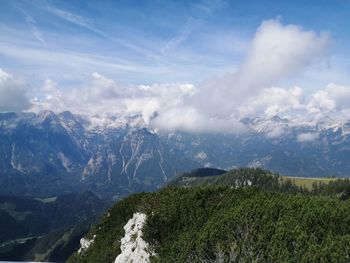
column 308, row 182
column 47, row 200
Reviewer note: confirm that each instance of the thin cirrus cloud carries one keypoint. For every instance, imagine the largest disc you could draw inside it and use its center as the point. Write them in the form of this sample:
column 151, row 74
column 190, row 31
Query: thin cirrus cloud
column 120, row 50
column 85, row 23
column 33, row 26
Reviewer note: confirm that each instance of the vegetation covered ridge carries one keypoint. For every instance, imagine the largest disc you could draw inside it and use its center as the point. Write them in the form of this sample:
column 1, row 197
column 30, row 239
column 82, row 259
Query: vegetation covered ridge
column 216, row 223
column 264, row 179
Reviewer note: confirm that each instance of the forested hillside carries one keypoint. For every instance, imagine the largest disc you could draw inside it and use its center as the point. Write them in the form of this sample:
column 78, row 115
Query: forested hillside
column 263, row 221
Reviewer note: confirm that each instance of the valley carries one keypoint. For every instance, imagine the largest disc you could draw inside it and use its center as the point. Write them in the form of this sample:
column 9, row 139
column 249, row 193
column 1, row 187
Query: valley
column 46, row 230
column 185, row 131
column 47, row 156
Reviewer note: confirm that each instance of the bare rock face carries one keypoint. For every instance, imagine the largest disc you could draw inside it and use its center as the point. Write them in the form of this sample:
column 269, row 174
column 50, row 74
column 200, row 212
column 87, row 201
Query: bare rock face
column 53, row 154
column 133, row 247
column 85, row 244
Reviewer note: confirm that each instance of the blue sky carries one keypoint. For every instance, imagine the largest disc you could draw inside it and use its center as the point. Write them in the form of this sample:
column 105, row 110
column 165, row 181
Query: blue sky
column 187, row 65
column 150, row 41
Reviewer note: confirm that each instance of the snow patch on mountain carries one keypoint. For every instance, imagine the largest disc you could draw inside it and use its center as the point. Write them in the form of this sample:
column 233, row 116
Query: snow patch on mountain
column 277, row 127
column 93, row 165
column 201, row 156
column 112, row 160
column 133, row 247
column 161, row 161
column 15, row 163
column 65, row 161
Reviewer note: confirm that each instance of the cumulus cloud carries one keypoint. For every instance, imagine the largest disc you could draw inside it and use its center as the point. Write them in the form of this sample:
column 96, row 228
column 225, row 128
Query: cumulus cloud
column 275, row 132
column 274, row 101
column 50, row 98
column 12, row 93
column 333, row 97
column 156, row 100
column 307, row 137
column 189, row 119
column 276, row 52
column 104, row 88
column 279, row 51
column 101, row 95
column 163, row 107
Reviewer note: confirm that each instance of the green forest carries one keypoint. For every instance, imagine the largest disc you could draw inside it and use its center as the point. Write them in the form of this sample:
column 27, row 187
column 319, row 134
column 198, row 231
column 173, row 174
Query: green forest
column 212, row 221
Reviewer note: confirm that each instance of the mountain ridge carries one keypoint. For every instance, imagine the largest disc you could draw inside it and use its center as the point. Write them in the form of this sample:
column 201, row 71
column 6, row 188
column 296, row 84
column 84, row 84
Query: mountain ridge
column 66, row 152
column 218, row 221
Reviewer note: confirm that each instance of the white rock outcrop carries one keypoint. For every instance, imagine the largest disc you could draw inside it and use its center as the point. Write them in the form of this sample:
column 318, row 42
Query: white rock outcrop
column 133, row 247
column 85, row 244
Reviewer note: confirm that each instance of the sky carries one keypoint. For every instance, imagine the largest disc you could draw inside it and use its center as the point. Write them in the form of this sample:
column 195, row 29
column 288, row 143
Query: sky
column 195, row 65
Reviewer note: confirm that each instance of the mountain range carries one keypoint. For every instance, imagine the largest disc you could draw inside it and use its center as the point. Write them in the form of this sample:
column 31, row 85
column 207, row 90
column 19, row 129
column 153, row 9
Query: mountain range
column 47, row 153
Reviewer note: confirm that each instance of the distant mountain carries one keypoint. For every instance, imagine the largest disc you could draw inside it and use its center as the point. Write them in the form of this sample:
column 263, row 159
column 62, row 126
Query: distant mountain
column 300, row 149
column 47, row 153
column 33, row 229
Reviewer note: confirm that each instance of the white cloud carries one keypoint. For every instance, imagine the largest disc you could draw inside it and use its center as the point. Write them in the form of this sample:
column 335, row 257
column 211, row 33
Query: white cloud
column 277, row 52
column 146, row 107
column 51, row 98
column 321, row 101
column 167, row 107
column 105, row 88
column 275, row 132
column 340, row 95
column 101, row 96
column 333, row 99
column 162, row 106
column 12, row 93
column 4, row 76
column 307, row 137
column 189, row 119
column 274, row 101
column 72, row 18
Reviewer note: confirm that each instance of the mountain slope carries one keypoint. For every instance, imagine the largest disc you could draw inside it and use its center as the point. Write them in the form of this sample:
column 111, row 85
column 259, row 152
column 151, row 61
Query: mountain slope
column 53, row 154
column 237, row 178
column 55, row 246
column 312, row 149
column 33, row 229
column 219, row 224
